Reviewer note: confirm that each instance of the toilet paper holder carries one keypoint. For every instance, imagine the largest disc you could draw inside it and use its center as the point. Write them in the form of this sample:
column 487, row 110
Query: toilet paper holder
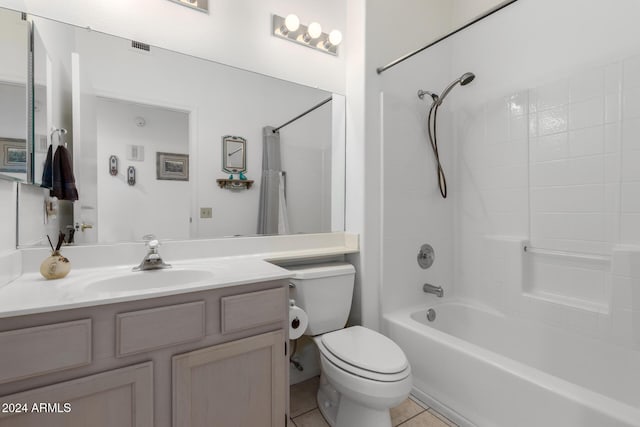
column 297, row 320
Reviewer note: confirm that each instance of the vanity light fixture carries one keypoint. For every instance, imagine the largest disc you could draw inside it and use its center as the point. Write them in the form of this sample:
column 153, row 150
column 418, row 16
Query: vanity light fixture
column 201, row 5
column 289, row 28
column 291, row 23
column 314, row 30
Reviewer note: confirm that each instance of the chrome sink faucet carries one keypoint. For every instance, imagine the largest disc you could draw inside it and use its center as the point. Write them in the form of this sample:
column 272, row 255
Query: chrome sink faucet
column 152, row 260
column 430, row 289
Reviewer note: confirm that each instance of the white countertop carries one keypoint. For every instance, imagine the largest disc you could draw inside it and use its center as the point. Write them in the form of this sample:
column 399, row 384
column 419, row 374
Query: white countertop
column 30, row 293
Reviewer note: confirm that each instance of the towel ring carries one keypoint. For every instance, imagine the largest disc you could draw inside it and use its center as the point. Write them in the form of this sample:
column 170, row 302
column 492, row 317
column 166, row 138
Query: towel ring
column 60, row 132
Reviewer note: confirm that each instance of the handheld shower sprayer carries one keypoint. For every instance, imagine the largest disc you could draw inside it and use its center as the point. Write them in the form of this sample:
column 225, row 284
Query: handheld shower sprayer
column 464, row 80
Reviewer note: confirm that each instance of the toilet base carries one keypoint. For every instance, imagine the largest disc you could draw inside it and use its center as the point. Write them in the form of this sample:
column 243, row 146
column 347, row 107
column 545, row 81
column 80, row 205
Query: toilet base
column 353, row 414
column 328, row 399
column 340, row 411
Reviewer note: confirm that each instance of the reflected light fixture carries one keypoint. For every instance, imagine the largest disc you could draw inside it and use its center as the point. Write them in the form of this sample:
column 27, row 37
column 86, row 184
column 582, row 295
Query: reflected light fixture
column 291, row 29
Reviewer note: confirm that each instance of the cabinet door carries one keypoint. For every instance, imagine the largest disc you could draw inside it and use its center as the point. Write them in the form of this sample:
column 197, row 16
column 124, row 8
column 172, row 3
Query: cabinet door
column 119, row 398
column 236, row 384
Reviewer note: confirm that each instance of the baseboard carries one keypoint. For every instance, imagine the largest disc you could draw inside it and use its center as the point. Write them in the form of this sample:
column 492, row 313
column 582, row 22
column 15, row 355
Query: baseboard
column 429, row 402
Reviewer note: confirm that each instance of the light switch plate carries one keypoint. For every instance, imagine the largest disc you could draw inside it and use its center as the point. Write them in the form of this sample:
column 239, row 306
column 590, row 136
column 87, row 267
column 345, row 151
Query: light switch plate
column 206, row 212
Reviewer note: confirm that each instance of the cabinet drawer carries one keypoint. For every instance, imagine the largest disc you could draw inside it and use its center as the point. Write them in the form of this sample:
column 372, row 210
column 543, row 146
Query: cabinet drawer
column 35, row 351
column 146, row 330
column 246, row 311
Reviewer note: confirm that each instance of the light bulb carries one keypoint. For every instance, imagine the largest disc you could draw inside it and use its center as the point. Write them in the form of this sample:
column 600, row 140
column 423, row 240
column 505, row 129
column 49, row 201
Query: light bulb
column 335, row 37
column 314, row 30
column 292, row 22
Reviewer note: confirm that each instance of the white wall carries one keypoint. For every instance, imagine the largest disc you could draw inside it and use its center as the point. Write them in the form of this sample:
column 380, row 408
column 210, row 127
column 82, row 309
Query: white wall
column 13, row 47
column 13, row 107
column 464, row 11
column 8, row 214
column 234, row 32
column 306, row 154
column 399, row 27
column 375, row 27
column 151, row 206
column 10, row 265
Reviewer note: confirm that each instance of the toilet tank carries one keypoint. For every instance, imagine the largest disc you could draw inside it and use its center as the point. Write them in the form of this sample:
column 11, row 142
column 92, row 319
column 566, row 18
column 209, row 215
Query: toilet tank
column 324, row 292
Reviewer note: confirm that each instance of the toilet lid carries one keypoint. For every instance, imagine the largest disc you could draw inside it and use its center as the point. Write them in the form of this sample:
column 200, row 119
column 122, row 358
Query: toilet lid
column 366, row 349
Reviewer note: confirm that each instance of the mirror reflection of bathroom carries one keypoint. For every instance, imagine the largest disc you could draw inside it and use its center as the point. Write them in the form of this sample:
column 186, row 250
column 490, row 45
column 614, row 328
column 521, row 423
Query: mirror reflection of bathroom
column 134, row 133
column 13, row 95
column 75, row 79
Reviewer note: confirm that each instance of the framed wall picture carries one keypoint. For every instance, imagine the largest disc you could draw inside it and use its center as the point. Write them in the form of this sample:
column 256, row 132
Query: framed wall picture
column 13, row 155
column 172, row 166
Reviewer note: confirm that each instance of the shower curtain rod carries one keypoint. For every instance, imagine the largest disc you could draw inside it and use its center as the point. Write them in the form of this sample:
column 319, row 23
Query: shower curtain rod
column 490, row 12
column 299, row 116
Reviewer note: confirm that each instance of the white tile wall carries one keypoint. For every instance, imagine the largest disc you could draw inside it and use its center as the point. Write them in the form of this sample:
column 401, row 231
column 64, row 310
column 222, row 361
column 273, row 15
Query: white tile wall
column 547, row 152
column 558, row 163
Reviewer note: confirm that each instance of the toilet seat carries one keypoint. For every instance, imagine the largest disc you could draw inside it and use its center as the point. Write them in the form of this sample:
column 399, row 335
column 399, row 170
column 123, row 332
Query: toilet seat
column 365, row 353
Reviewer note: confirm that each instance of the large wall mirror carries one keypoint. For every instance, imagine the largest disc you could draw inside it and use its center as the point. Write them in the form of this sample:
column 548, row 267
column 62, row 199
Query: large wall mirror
column 121, row 103
column 14, row 64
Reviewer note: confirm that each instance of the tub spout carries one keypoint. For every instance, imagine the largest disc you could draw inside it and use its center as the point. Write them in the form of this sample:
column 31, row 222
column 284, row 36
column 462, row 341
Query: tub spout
column 430, row 289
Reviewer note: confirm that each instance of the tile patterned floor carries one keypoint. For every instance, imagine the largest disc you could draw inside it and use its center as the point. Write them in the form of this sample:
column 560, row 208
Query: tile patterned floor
column 305, row 413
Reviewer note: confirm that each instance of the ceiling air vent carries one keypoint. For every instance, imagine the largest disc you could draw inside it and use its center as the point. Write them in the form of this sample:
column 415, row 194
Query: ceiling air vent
column 140, row 46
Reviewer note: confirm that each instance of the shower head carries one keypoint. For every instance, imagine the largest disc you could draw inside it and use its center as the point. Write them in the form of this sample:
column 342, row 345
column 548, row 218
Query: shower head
column 467, row 78
column 464, row 80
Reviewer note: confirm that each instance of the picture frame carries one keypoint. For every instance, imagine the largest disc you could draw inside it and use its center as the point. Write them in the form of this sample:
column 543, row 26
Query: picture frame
column 13, row 155
column 172, row 166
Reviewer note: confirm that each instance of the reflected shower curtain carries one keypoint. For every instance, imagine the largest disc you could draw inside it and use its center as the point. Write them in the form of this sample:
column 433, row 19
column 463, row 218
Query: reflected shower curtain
column 272, row 215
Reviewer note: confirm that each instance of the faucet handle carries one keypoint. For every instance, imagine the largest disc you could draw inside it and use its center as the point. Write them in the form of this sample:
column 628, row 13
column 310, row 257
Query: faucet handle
column 152, row 241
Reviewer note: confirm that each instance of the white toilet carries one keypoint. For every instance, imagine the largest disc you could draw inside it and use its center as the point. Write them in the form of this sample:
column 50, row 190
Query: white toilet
column 364, row 373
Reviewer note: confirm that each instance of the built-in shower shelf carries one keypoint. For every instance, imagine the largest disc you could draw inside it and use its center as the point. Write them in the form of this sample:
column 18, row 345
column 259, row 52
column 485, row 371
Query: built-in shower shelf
column 235, row 184
column 579, row 256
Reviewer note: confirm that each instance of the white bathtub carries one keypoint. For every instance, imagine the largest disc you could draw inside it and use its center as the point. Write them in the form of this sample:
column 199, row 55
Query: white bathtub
column 492, row 370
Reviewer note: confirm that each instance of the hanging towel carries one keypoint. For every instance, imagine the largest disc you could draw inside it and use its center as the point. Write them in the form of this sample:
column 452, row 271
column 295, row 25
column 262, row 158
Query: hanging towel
column 58, row 175
column 47, row 171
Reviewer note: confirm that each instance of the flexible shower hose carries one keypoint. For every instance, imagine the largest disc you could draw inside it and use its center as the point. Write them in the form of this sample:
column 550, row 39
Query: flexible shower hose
column 433, row 139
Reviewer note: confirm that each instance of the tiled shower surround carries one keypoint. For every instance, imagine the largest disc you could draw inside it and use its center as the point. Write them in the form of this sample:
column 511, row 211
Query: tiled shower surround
column 547, row 185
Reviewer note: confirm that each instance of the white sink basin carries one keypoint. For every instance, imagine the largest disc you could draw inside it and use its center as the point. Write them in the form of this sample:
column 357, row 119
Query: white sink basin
column 150, row 279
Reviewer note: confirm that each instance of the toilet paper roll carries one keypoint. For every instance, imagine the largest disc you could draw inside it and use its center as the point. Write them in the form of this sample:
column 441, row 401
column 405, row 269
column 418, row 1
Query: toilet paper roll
column 298, row 322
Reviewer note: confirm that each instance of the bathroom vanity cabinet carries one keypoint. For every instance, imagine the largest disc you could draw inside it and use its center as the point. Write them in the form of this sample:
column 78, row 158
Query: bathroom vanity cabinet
column 215, row 357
